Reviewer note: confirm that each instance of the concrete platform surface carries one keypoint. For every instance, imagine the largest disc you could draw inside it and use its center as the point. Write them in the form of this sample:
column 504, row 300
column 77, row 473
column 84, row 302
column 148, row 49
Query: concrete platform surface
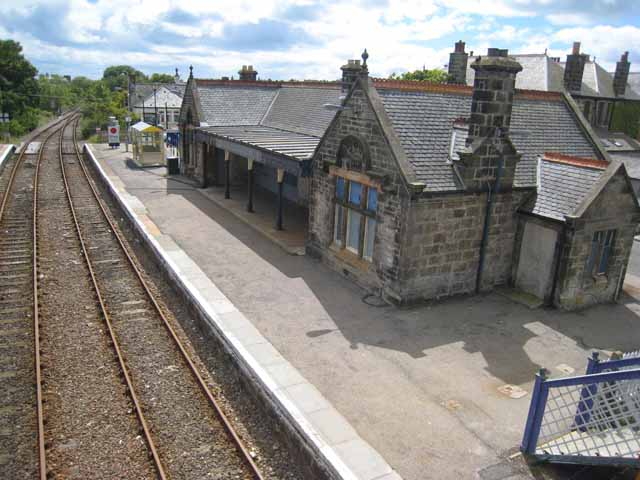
column 441, row 391
column 5, row 153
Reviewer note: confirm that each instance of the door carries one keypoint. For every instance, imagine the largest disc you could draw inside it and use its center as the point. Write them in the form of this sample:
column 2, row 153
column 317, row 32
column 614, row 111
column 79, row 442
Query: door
column 536, row 262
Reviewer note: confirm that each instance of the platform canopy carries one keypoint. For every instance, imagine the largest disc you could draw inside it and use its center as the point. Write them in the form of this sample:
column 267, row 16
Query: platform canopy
column 144, row 127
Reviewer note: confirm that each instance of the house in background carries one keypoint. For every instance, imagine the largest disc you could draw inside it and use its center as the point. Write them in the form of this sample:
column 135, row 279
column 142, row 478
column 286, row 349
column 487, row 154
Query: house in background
column 596, row 91
column 418, row 191
column 157, row 103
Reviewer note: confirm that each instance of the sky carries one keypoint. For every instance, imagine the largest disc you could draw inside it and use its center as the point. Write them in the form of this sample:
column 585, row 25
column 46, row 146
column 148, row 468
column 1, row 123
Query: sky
column 307, row 39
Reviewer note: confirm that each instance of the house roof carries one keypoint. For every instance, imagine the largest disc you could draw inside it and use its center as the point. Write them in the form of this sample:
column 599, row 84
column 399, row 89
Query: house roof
column 285, row 118
column 292, row 106
column 225, row 105
column 634, row 81
column 617, row 142
column 423, row 119
column 631, row 162
column 140, row 91
column 541, row 72
column 564, row 182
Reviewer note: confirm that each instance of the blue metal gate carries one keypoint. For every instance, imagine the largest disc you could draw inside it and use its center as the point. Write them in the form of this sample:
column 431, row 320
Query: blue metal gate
column 590, row 419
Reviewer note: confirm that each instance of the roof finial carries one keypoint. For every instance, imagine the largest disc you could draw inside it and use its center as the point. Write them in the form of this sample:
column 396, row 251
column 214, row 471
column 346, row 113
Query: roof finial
column 191, row 70
column 365, row 55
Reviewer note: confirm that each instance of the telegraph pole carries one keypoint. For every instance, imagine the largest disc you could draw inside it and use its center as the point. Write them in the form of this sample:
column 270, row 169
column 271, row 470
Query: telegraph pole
column 155, row 106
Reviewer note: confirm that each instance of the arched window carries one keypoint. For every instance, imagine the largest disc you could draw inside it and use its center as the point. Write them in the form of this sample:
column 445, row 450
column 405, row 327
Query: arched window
column 353, row 154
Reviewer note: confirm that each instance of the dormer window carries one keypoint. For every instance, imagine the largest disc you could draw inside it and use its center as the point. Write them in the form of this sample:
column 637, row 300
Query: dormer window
column 459, row 134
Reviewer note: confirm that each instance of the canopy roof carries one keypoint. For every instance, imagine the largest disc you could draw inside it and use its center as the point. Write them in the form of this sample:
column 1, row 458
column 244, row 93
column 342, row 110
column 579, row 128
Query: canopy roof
column 144, row 127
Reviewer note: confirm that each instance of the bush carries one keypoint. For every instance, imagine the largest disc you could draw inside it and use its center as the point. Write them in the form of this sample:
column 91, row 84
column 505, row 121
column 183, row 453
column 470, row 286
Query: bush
column 626, row 118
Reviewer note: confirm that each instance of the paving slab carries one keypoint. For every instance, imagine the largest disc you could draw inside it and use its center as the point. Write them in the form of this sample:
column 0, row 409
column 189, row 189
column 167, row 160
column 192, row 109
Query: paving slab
column 296, row 395
column 422, row 386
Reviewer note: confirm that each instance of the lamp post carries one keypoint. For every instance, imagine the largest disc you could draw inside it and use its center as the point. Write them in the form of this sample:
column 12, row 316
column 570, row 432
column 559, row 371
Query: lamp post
column 155, row 107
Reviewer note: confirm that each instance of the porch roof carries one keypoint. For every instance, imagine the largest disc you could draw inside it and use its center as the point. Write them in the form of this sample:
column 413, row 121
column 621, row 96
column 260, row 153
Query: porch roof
column 270, row 146
column 274, row 140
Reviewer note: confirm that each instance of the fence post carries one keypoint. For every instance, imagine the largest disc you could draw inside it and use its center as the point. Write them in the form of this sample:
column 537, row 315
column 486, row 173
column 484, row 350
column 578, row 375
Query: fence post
column 586, row 395
column 536, row 410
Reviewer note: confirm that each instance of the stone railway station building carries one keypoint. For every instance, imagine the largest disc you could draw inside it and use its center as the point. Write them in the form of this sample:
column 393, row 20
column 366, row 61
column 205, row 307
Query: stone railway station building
column 420, row 191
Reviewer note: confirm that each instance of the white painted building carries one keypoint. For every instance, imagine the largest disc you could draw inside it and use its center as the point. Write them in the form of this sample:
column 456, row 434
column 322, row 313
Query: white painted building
column 157, row 103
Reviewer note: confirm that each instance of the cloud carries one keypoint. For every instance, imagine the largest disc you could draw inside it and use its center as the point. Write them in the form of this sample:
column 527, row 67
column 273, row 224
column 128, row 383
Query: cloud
column 306, row 38
column 264, row 35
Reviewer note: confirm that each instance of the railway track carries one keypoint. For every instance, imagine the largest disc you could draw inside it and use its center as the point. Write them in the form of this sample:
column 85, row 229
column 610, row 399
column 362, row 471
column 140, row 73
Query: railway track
column 21, row 411
column 122, row 396
column 187, row 433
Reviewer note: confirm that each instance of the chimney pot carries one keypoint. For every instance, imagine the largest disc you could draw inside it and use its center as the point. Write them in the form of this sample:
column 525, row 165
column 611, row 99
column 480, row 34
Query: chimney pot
column 574, row 69
column 621, row 75
column 457, row 68
column 247, row 74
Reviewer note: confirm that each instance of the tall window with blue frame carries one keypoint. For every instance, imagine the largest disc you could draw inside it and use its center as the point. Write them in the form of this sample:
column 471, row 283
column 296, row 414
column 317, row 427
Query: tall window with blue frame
column 601, row 246
column 355, row 217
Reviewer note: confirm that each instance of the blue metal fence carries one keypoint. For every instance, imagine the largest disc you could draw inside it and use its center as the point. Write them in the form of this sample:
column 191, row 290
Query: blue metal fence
column 588, row 419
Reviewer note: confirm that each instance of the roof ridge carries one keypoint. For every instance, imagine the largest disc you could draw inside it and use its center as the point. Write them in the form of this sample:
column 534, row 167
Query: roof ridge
column 420, row 86
column 575, row 161
column 268, row 83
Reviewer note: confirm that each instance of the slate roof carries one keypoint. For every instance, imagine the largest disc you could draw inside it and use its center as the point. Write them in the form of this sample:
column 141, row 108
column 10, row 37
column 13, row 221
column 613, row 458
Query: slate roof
column 291, row 144
column 234, row 105
column 423, row 121
column 300, row 109
column 563, row 185
column 288, row 119
column 541, row 72
column 296, row 109
column 634, row 81
column 631, row 162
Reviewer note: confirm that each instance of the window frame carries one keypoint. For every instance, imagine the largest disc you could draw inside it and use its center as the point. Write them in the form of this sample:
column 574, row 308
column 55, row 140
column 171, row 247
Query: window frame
column 362, row 209
column 598, row 261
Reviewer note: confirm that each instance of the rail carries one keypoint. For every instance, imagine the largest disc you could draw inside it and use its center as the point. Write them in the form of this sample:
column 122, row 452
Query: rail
column 246, row 457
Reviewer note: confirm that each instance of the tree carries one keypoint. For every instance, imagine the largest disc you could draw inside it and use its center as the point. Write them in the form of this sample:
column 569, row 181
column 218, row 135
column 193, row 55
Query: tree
column 18, row 86
column 425, row 75
column 161, row 78
column 116, row 76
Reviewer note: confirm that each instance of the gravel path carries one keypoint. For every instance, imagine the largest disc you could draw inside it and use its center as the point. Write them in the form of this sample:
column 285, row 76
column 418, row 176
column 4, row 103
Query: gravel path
column 91, row 428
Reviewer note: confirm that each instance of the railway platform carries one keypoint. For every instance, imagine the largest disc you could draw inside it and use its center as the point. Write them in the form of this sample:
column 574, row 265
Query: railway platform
column 436, row 391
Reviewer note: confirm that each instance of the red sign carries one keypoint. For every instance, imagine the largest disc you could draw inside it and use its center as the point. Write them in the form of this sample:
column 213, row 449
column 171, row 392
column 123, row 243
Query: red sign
column 113, row 130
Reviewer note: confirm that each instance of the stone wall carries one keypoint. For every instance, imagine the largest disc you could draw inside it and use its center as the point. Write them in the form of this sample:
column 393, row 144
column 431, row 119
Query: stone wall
column 614, row 208
column 383, row 272
column 442, row 244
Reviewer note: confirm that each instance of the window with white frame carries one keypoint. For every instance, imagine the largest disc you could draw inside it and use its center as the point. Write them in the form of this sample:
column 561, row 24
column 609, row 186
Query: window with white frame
column 601, row 245
column 355, row 217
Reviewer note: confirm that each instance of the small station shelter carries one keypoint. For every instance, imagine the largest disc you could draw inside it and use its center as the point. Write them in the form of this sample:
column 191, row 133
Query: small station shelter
column 148, row 145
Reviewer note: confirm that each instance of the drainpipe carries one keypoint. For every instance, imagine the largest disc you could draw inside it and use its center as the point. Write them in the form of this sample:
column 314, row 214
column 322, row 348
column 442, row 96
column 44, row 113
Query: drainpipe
column 487, row 222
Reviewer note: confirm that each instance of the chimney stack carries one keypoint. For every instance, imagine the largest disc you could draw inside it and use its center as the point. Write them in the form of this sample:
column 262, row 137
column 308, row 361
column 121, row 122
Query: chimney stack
column 350, row 72
column 621, row 76
column 458, row 64
column 574, row 69
column 247, row 73
column 488, row 147
column 493, row 87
